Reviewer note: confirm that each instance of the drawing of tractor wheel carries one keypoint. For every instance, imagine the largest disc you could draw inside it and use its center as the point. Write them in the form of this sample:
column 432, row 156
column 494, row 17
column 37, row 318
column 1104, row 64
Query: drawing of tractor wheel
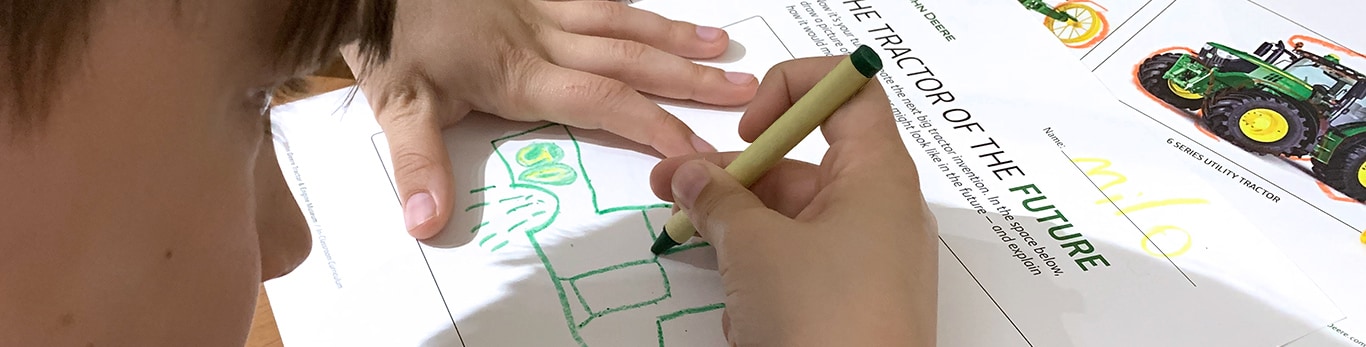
column 1089, row 27
column 1346, row 172
column 1260, row 123
column 1150, row 77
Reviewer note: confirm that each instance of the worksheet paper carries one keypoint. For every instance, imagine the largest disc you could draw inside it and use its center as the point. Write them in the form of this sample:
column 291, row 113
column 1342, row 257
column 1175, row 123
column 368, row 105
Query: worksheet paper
column 1313, row 223
column 1066, row 219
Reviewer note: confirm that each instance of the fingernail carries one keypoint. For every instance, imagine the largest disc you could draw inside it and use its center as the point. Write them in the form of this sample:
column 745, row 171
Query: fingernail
column 701, row 145
column 708, row 34
column 688, row 182
column 739, row 77
column 420, row 208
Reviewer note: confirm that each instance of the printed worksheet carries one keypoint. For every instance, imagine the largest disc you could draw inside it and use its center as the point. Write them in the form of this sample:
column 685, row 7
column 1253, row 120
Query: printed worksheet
column 1269, row 95
column 1067, row 218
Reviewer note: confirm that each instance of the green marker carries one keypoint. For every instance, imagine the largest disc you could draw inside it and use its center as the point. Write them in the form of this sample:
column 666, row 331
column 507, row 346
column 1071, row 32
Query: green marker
column 835, row 89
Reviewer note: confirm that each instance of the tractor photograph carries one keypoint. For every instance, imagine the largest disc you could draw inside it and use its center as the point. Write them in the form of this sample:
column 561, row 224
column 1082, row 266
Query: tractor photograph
column 1278, row 100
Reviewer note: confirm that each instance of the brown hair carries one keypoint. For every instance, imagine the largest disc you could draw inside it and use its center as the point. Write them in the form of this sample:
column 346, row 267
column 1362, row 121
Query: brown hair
column 38, row 38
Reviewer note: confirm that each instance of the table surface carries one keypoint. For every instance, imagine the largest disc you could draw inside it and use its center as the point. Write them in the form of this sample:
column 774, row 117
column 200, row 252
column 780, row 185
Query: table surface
column 264, row 331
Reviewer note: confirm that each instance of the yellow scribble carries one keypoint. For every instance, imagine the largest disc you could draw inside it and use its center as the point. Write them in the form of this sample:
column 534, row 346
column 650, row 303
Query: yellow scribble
column 1100, row 170
column 1163, row 229
column 1115, row 178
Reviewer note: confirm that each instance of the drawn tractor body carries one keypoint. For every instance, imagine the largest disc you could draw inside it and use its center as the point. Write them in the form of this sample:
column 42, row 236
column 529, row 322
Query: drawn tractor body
column 1277, row 101
column 1076, row 23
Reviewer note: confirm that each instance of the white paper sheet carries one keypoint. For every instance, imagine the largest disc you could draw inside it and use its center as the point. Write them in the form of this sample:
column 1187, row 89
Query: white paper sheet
column 557, row 249
column 1318, row 228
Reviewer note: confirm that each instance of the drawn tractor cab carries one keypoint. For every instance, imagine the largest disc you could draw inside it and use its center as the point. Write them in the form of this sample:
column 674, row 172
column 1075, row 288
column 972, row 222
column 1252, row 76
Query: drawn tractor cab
column 1277, row 101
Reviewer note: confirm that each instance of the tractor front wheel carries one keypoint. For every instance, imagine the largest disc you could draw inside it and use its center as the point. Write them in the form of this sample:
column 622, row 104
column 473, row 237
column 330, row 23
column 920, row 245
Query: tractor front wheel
column 1261, row 123
column 1346, row 171
column 1150, row 77
column 1086, row 30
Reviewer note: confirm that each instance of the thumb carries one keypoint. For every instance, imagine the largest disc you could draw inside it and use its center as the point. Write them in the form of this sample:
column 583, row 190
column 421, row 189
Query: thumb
column 715, row 201
column 422, row 168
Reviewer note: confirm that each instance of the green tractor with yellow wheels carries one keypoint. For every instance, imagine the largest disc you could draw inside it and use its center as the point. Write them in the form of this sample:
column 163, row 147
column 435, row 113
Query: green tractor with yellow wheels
column 1278, row 100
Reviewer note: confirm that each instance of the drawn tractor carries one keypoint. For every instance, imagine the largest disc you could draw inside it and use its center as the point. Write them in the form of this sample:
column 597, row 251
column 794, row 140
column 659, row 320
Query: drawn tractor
column 1075, row 22
column 1277, row 101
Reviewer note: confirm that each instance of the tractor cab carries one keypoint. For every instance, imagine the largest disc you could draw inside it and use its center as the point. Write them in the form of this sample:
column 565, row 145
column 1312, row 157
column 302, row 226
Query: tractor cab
column 1336, row 88
column 1277, row 54
column 1333, row 83
column 1333, row 86
column 1354, row 110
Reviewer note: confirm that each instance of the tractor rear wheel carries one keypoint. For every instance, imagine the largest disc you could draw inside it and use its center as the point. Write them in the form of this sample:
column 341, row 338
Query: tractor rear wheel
column 1261, row 123
column 1150, row 77
column 1346, row 171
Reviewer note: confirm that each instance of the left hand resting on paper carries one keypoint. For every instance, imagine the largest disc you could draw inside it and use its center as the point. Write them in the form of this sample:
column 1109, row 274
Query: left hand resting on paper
column 580, row 63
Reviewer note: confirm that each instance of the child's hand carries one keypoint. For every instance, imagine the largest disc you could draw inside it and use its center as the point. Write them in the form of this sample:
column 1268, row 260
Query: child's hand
column 844, row 253
column 579, row 63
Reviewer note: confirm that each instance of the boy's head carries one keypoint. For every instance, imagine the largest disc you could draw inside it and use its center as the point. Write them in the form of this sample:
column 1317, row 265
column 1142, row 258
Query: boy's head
column 44, row 42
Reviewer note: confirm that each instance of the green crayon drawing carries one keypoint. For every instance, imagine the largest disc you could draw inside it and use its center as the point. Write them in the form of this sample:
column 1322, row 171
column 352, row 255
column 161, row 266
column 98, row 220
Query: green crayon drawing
column 517, row 212
column 542, row 161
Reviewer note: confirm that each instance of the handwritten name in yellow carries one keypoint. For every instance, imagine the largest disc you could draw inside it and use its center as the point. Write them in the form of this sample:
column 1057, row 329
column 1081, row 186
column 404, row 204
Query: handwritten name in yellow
column 1114, row 179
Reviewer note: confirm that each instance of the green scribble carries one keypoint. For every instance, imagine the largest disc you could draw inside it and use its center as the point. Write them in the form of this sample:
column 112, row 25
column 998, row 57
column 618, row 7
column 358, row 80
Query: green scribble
column 514, row 209
column 543, row 204
column 582, row 301
column 559, row 290
column 539, row 153
column 635, row 208
column 544, row 167
column 589, row 181
column 500, row 245
column 648, row 226
column 478, row 205
column 515, row 198
column 667, row 293
column 486, row 239
column 659, row 323
column 552, row 173
column 514, row 226
column 610, row 268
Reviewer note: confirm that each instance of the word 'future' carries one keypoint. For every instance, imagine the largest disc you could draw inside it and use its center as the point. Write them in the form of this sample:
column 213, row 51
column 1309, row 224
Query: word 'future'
column 989, row 149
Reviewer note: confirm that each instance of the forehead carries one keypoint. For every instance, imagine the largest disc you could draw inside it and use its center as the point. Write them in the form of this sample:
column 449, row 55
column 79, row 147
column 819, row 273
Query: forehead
column 48, row 38
column 296, row 32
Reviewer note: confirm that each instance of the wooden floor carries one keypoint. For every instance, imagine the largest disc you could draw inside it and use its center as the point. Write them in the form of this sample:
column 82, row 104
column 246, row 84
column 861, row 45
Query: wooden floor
column 264, row 332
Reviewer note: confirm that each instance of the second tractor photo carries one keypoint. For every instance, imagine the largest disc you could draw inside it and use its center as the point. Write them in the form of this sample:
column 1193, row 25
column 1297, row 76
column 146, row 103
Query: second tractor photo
column 1279, row 100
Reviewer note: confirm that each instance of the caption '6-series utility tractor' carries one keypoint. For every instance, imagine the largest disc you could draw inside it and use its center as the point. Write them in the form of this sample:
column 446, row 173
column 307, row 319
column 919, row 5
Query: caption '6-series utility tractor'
column 1277, row 101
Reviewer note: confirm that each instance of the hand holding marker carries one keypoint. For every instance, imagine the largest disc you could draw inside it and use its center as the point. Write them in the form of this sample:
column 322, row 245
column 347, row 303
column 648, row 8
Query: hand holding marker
column 836, row 88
